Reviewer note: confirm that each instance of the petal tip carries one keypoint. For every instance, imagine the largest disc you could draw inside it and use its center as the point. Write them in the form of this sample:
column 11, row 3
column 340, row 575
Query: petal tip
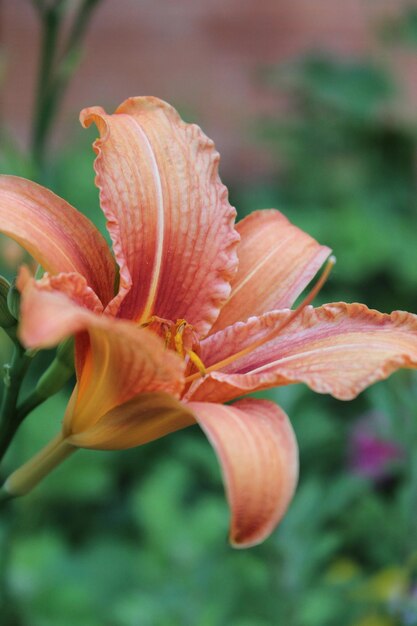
column 257, row 449
column 91, row 115
column 145, row 103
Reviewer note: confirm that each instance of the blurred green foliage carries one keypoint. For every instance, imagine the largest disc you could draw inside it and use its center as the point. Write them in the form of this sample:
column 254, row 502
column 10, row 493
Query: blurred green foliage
column 345, row 172
column 402, row 29
column 138, row 538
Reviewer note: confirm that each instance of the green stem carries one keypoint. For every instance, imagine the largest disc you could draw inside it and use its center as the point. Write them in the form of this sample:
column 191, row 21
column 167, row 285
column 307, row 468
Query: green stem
column 60, row 371
column 56, row 70
column 50, row 31
column 13, row 380
column 56, row 376
column 79, row 26
column 28, row 405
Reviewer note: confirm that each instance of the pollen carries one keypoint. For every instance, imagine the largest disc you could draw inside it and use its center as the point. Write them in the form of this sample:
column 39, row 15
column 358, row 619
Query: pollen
column 179, row 336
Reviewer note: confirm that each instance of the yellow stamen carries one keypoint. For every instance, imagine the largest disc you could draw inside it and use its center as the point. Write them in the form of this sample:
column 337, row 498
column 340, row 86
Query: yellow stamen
column 178, row 341
column 275, row 331
column 148, row 322
column 176, row 331
column 168, row 337
column 194, row 358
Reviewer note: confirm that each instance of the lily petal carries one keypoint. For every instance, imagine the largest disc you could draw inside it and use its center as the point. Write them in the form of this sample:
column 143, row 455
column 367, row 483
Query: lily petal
column 277, row 260
column 73, row 285
column 168, row 213
column 338, row 349
column 121, row 360
column 257, row 450
column 54, row 307
column 142, row 419
column 47, row 319
column 59, row 237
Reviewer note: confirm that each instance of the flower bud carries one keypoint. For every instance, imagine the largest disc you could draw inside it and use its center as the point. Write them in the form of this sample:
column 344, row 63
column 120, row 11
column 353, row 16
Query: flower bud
column 13, row 300
column 59, row 372
column 6, row 318
column 65, row 353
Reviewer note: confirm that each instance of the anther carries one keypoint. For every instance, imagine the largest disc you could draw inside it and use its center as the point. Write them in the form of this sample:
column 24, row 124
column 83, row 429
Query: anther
column 178, row 340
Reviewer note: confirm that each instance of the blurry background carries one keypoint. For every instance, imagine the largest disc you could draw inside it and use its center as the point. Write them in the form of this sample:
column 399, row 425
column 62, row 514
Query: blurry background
column 312, row 104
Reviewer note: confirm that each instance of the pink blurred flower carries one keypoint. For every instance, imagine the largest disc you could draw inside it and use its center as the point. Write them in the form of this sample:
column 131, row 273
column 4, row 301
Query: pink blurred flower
column 371, row 455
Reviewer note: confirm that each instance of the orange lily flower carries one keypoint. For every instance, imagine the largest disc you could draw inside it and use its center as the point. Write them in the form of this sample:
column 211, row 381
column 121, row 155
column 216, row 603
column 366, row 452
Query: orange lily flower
column 197, row 318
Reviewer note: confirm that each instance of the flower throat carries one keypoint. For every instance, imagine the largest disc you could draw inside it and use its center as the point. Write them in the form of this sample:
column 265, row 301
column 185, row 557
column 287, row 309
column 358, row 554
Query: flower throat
column 181, row 337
